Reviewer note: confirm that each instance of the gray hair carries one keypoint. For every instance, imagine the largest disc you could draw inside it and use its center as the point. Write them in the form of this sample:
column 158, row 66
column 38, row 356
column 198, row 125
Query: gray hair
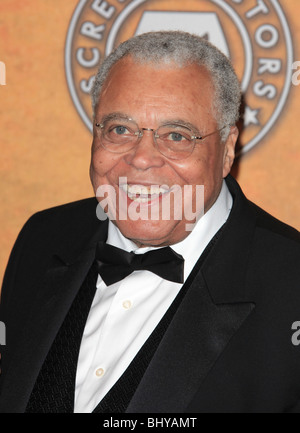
column 181, row 49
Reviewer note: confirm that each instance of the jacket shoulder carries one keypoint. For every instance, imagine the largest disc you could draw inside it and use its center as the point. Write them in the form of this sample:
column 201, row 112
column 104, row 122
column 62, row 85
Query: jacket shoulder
column 273, row 226
column 66, row 219
column 263, row 220
column 75, row 210
column 68, row 226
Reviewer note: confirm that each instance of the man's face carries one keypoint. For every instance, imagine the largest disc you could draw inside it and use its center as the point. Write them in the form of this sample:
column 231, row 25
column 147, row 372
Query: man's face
column 151, row 97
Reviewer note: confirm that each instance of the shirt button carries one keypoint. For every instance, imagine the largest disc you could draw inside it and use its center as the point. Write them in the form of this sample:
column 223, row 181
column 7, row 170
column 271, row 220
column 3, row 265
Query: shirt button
column 99, row 372
column 127, row 305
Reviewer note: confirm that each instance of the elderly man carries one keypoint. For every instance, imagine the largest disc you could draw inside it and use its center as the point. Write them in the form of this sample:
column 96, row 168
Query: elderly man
column 158, row 309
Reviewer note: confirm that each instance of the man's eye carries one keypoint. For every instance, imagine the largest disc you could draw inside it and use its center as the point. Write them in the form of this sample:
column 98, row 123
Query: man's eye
column 120, row 130
column 176, row 136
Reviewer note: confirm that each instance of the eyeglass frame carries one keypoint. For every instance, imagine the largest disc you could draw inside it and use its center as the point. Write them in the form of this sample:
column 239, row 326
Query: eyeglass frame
column 139, row 134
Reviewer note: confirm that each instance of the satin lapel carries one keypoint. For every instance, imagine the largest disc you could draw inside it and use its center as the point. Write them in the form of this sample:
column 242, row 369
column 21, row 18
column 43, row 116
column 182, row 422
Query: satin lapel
column 195, row 339
column 55, row 294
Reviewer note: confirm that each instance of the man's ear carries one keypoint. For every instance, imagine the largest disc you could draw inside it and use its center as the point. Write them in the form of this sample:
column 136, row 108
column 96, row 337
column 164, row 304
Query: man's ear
column 229, row 150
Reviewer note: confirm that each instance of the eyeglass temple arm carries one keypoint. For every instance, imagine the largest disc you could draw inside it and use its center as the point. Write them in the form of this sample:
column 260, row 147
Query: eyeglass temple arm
column 202, row 137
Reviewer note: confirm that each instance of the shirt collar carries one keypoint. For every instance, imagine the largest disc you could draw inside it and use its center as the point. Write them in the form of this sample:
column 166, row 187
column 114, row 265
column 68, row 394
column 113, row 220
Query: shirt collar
column 208, row 225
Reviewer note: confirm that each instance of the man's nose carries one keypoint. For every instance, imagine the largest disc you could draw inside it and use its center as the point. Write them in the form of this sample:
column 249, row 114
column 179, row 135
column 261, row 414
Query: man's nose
column 145, row 153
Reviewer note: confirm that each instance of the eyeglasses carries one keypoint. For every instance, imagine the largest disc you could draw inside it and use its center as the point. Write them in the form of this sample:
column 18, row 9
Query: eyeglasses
column 173, row 140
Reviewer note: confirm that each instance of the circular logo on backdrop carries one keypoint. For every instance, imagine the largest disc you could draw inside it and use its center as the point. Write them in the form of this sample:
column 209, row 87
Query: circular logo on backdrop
column 254, row 34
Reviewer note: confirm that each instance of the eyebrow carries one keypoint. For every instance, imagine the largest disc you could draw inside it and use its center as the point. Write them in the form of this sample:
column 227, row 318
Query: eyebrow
column 116, row 115
column 123, row 116
column 182, row 123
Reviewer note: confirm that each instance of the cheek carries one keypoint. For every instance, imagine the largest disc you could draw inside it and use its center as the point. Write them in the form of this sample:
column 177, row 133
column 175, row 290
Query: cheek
column 98, row 166
column 211, row 160
column 206, row 168
column 102, row 162
column 192, row 171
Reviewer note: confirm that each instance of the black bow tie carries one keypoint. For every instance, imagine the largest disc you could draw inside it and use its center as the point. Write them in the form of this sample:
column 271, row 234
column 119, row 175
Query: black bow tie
column 115, row 264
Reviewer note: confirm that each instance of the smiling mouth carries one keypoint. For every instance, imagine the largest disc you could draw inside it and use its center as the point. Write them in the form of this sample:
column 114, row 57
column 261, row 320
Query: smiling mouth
column 143, row 193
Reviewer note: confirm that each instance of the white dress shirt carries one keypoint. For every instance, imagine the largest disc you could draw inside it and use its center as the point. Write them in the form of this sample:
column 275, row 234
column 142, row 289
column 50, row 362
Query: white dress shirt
column 123, row 315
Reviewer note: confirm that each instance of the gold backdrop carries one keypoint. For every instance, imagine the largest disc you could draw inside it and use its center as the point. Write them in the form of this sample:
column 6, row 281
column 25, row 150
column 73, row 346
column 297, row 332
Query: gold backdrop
column 45, row 144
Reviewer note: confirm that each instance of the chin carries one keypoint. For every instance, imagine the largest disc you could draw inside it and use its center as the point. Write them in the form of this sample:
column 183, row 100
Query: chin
column 155, row 233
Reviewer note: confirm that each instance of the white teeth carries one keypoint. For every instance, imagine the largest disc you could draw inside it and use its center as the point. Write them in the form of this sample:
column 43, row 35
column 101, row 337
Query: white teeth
column 142, row 193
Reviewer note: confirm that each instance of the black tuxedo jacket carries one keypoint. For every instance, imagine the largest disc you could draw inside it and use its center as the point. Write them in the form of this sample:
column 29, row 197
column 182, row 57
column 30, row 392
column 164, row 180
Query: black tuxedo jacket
column 229, row 347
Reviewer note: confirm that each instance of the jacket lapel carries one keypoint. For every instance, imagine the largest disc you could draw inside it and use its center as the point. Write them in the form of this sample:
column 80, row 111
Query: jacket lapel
column 213, row 310
column 60, row 285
